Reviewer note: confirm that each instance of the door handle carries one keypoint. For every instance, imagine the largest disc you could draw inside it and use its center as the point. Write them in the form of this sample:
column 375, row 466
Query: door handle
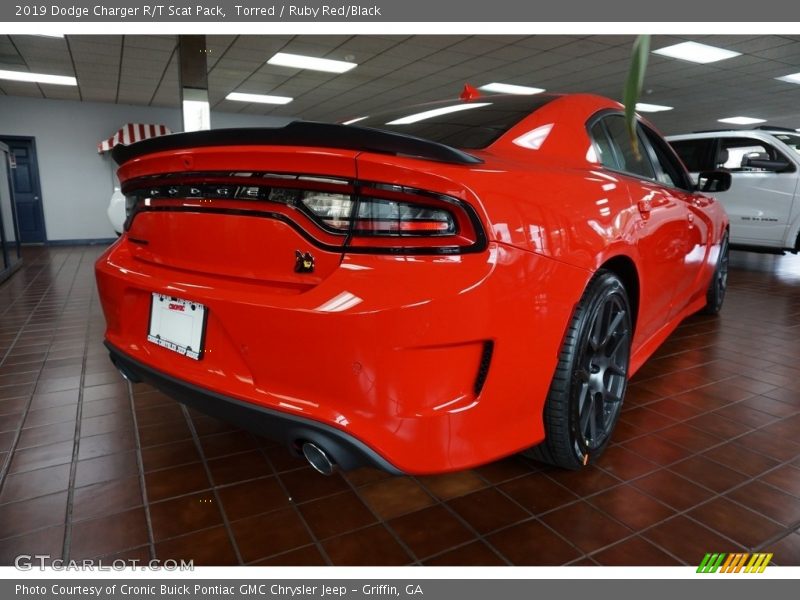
column 645, row 206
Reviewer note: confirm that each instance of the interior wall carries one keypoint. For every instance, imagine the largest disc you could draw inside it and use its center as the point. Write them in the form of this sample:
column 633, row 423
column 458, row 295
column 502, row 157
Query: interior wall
column 77, row 182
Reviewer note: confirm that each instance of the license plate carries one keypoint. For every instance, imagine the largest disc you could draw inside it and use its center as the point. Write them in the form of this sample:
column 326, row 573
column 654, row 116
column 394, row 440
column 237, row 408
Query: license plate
column 178, row 325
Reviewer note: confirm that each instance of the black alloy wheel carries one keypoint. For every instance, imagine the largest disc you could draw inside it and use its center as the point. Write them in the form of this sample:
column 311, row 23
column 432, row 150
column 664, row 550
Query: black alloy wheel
column 589, row 384
column 719, row 281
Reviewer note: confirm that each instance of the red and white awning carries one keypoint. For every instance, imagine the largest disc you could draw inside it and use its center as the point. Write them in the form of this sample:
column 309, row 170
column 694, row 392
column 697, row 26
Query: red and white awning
column 130, row 133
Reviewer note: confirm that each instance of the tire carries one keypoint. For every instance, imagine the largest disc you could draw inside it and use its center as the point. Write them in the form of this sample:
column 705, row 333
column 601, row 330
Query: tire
column 715, row 295
column 588, row 388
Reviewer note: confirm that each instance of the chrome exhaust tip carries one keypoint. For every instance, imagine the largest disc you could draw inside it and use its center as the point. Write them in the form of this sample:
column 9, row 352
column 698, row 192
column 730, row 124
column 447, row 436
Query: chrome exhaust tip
column 318, row 459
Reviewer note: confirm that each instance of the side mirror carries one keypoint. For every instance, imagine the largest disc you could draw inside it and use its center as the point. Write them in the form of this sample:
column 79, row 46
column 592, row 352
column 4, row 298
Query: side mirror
column 766, row 164
column 713, row 181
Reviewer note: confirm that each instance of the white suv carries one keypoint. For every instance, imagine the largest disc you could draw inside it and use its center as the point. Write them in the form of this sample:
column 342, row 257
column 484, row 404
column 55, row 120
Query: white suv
column 763, row 202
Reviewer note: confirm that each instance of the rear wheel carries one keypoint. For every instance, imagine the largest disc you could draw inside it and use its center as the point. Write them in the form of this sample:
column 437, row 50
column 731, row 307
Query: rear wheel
column 715, row 295
column 588, row 387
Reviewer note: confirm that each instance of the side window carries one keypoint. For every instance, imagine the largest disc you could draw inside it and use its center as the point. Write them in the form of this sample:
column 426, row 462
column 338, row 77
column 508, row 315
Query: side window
column 696, row 154
column 602, row 145
column 668, row 167
column 621, row 143
column 734, row 153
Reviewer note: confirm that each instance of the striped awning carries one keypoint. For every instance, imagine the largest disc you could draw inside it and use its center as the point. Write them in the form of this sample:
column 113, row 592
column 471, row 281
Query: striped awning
column 130, row 133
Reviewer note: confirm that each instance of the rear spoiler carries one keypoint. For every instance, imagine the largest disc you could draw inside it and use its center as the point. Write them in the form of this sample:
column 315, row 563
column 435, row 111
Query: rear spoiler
column 301, row 133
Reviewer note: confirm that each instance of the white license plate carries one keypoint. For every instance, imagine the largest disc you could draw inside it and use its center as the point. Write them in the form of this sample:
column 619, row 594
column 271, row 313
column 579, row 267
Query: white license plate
column 178, row 325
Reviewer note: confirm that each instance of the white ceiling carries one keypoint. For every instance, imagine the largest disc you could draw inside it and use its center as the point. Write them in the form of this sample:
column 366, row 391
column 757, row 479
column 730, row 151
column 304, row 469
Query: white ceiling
column 142, row 70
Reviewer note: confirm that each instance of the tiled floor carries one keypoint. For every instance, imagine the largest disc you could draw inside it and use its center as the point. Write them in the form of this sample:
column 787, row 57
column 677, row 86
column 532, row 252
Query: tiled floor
column 706, row 456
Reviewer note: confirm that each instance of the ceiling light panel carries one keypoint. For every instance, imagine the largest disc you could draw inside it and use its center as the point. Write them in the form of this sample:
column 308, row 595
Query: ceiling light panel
column 508, row 88
column 697, row 53
column 742, row 120
column 793, row 78
column 298, row 61
column 258, row 98
column 650, row 108
column 38, row 78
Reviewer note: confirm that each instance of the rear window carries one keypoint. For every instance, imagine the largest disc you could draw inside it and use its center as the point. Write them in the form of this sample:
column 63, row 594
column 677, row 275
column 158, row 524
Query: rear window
column 469, row 124
column 790, row 139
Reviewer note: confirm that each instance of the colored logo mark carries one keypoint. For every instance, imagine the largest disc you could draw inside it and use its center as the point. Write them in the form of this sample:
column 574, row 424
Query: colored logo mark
column 736, row 562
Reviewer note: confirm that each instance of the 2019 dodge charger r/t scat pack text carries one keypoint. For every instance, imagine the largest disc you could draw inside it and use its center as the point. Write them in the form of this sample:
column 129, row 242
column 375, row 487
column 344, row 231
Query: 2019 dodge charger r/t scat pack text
column 422, row 291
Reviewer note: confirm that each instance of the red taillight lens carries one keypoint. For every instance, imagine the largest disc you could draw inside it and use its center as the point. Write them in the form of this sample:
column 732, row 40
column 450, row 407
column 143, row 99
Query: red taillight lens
column 376, row 216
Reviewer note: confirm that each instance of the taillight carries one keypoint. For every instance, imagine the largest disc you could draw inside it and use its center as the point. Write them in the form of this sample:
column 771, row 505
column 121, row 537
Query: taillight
column 372, row 216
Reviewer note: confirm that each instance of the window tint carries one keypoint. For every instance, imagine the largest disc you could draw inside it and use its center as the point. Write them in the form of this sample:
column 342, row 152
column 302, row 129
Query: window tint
column 669, row 171
column 621, row 142
column 602, row 146
column 695, row 154
column 461, row 124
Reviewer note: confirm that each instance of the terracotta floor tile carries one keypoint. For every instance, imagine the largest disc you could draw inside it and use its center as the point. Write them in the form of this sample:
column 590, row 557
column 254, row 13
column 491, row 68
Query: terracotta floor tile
column 673, row 490
column 108, row 497
column 688, row 540
column 708, row 474
column 631, row 507
column 452, row 485
column 252, row 497
column 170, row 455
column 475, row 554
column 305, row 556
column 306, row 484
column 335, row 515
column 786, row 478
column 31, row 484
column 239, row 467
column 104, row 468
column 183, row 515
column 657, row 450
column 371, row 546
column 488, row 510
column 111, row 533
column 17, row 518
column 48, row 542
column 531, row 543
column 740, row 459
column 586, row 527
column 768, row 501
column 270, row 533
column 786, row 551
column 210, row 547
column 430, row 531
column 625, row 464
column 634, row 551
column 538, row 493
column 176, row 481
column 393, row 497
column 42, row 456
column 736, row 522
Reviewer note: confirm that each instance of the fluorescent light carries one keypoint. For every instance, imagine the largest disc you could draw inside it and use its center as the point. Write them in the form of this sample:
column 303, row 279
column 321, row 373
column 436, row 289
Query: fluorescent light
column 507, row 88
column 698, row 53
column 298, row 61
column 742, row 120
column 52, row 35
column 38, row 78
column 793, row 78
column 430, row 114
column 351, row 121
column 645, row 107
column 258, row 98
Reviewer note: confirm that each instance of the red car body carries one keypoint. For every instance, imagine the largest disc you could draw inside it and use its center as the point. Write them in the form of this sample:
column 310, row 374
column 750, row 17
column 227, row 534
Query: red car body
column 416, row 353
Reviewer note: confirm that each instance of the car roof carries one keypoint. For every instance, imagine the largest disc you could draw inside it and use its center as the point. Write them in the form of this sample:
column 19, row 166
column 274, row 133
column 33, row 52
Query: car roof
column 761, row 134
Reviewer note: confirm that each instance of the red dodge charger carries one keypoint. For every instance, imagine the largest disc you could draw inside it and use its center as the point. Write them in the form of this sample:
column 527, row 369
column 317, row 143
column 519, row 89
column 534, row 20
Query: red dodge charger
column 423, row 290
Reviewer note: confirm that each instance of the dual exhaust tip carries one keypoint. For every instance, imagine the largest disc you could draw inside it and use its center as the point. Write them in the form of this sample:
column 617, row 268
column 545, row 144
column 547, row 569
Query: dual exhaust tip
column 319, row 460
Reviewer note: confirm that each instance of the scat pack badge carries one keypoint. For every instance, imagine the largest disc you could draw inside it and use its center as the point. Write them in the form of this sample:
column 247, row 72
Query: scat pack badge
column 303, row 262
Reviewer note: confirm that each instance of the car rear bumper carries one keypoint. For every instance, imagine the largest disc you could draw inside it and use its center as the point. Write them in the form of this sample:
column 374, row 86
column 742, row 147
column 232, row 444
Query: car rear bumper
column 425, row 364
column 347, row 451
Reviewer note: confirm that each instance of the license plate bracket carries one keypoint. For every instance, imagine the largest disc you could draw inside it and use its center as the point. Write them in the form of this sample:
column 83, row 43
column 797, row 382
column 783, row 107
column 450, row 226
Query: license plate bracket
column 178, row 325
